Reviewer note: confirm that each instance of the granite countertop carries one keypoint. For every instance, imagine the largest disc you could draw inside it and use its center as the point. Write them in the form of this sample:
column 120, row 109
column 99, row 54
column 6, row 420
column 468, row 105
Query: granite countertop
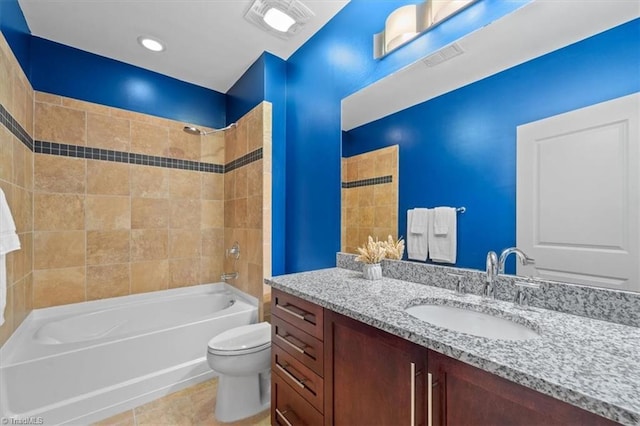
column 589, row 363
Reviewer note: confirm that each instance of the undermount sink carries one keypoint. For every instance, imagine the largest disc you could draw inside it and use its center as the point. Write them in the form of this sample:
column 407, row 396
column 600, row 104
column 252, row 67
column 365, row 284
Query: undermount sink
column 470, row 321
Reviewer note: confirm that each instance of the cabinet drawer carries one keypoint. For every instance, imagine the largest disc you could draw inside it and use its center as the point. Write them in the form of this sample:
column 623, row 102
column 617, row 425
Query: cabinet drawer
column 298, row 376
column 305, row 315
column 288, row 408
column 301, row 346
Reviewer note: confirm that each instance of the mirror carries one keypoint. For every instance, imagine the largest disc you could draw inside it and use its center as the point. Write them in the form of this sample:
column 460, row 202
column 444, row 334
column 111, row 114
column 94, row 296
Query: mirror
column 455, row 117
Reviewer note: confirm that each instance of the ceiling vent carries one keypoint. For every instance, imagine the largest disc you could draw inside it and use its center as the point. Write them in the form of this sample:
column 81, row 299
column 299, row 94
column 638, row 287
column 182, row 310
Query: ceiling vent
column 443, row 55
column 290, row 16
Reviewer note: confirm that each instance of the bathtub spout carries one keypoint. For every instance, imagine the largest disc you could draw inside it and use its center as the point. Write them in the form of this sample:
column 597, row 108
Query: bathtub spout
column 231, row 276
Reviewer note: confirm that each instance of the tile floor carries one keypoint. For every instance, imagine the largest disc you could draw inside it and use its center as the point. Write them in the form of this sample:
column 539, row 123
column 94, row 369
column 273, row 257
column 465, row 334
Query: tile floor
column 190, row 406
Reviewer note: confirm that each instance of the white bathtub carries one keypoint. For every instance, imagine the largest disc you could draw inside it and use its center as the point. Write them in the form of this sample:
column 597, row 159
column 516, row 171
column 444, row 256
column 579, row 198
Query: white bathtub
column 84, row 362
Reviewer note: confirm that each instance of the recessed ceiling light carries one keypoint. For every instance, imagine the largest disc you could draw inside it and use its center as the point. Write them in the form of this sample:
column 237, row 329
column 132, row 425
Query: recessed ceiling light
column 278, row 20
column 151, row 44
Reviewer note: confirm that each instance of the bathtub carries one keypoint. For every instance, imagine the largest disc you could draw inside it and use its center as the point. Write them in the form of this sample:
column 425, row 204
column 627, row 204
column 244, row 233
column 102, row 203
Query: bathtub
column 84, row 362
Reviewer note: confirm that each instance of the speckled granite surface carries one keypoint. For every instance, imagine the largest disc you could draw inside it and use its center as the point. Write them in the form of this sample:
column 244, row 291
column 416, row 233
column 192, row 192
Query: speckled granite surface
column 622, row 307
column 589, row 363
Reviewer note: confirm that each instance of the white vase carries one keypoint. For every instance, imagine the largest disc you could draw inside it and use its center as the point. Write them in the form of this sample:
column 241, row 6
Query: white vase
column 372, row 271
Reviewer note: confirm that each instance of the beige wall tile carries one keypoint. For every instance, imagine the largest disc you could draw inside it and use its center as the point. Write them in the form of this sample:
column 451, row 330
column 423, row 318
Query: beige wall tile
column 240, row 146
column 22, row 209
column 240, row 186
column 213, row 242
column 108, row 132
column 210, row 269
column 184, row 243
column 58, row 249
column 55, row 287
column 230, row 144
column 151, row 182
column 386, row 194
column 149, row 276
column 255, row 131
column 184, row 184
column 230, row 185
column 58, row 212
column 254, row 247
column 6, row 155
column 365, row 196
column 212, row 186
column 184, row 214
column 59, row 124
column 108, row 213
column 255, row 280
column 212, row 214
column 28, row 171
column 366, row 216
column 184, row 272
column 21, row 259
column 149, row 139
column 107, row 281
column 212, row 149
column 54, row 173
column 240, row 213
column 85, row 106
column 19, row 152
column 20, row 101
column 183, row 145
column 386, row 217
column 107, row 178
column 19, row 302
column 149, row 213
column 107, row 247
column 142, row 118
column 254, row 178
column 254, row 212
column 6, row 91
column 149, row 244
column 48, row 98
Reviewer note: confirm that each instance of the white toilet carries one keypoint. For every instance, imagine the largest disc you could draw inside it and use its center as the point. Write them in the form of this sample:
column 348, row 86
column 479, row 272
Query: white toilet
column 242, row 357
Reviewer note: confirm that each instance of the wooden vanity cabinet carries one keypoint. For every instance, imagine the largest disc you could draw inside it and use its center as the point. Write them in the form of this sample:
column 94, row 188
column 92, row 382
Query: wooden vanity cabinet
column 371, row 377
column 465, row 395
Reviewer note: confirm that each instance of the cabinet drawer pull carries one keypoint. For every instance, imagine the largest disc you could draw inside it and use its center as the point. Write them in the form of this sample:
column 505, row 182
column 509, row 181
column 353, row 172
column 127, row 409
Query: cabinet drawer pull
column 281, row 415
column 284, row 340
column 413, row 394
column 297, row 381
column 429, row 399
column 290, row 312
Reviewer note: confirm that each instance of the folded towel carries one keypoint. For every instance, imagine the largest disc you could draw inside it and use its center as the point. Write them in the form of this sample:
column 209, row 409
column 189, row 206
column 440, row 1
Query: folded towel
column 417, row 244
column 420, row 223
column 441, row 217
column 8, row 242
column 442, row 248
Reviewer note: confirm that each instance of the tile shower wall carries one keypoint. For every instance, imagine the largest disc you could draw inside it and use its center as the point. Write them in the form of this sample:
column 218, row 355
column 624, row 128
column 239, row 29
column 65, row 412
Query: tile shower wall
column 369, row 197
column 16, row 181
column 247, row 199
column 110, row 223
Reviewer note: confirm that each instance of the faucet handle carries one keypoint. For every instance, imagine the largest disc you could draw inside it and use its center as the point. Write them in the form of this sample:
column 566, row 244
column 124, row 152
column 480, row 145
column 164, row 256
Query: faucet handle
column 459, row 285
column 521, row 296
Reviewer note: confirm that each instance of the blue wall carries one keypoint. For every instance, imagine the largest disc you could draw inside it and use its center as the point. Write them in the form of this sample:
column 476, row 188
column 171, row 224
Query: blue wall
column 66, row 71
column 16, row 31
column 460, row 148
column 335, row 62
column 266, row 80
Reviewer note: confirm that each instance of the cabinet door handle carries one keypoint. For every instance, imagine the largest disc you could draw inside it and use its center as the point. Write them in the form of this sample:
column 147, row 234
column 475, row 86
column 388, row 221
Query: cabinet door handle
column 281, row 415
column 284, row 340
column 413, row 394
column 429, row 399
column 290, row 312
column 295, row 380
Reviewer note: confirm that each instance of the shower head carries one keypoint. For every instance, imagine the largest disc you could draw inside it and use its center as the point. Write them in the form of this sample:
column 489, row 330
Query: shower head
column 195, row 131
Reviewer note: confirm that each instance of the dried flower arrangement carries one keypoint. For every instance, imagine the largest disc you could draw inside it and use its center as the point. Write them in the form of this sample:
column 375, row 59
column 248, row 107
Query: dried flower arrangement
column 394, row 249
column 372, row 252
column 375, row 251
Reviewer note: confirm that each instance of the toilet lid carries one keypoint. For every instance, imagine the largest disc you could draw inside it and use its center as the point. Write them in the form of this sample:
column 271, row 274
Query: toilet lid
column 241, row 340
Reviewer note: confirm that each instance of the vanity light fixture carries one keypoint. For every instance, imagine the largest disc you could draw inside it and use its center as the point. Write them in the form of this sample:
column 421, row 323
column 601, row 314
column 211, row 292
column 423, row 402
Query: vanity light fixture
column 408, row 22
column 151, row 44
column 282, row 18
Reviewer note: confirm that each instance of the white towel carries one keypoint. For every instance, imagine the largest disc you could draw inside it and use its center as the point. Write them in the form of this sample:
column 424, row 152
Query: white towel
column 442, row 248
column 441, row 220
column 420, row 222
column 8, row 242
column 417, row 244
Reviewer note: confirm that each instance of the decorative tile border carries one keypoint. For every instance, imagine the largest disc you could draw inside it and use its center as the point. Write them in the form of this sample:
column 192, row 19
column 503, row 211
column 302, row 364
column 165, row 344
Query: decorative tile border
column 65, row 150
column 368, row 182
column 15, row 128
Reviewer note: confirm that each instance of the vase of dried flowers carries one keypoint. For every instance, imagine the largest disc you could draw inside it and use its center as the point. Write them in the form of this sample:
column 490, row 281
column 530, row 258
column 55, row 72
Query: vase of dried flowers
column 371, row 254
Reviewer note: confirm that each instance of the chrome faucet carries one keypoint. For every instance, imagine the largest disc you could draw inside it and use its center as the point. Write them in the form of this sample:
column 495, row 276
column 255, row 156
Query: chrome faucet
column 492, row 273
column 523, row 258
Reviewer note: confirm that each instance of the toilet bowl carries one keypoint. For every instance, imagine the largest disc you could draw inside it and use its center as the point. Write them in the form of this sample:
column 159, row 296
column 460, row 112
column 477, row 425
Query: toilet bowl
column 242, row 357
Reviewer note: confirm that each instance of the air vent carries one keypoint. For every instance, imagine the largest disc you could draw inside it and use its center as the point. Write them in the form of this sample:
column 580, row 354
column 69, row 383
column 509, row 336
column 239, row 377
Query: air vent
column 293, row 8
column 443, row 55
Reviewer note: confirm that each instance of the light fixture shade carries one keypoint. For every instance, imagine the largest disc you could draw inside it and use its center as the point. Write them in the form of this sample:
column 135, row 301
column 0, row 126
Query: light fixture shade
column 407, row 22
column 151, row 44
column 282, row 18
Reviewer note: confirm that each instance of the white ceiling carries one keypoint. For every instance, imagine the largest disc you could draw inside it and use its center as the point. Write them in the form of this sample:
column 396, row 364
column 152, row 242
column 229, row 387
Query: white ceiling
column 533, row 30
column 208, row 42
